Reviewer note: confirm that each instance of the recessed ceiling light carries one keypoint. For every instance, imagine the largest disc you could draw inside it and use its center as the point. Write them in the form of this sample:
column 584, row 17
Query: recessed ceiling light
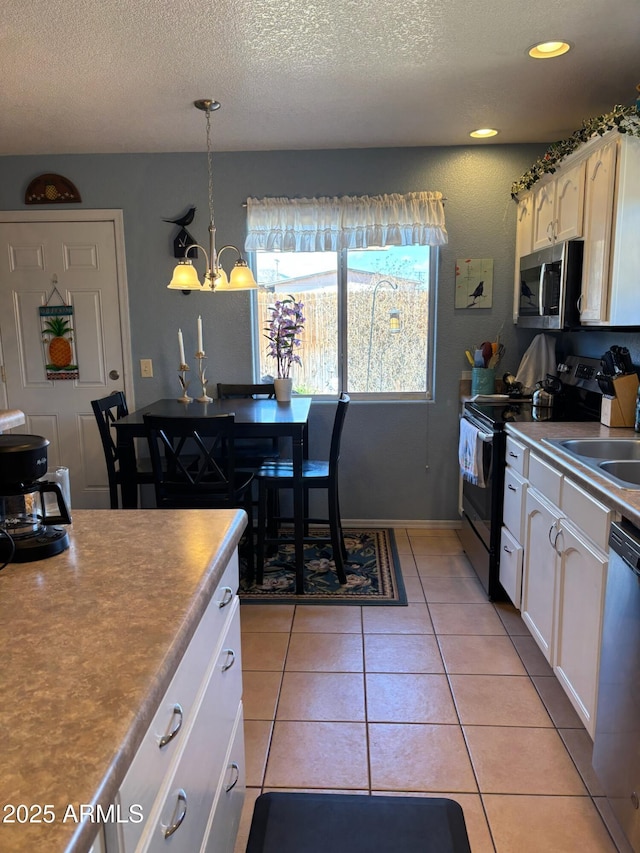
column 549, row 49
column 483, row 133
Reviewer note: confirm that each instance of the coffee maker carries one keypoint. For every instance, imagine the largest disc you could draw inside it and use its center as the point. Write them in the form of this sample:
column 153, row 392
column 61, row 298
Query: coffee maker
column 28, row 531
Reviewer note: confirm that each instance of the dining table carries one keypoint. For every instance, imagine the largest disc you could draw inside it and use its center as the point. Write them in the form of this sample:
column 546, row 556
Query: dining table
column 254, row 418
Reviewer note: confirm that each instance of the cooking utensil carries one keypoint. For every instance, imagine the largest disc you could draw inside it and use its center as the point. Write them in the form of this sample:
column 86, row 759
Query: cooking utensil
column 487, row 352
column 622, row 359
column 608, row 364
column 605, row 384
column 469, row 357
column 478, row 359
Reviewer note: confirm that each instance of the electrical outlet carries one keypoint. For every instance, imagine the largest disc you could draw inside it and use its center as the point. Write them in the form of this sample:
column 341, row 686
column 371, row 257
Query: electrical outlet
column 146, row 368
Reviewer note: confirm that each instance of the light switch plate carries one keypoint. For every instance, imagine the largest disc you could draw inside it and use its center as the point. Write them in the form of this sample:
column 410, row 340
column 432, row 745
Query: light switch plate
column 146, row 368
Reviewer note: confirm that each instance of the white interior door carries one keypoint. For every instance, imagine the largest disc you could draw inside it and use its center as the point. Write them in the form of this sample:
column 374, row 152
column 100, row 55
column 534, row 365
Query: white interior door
column 83, row 255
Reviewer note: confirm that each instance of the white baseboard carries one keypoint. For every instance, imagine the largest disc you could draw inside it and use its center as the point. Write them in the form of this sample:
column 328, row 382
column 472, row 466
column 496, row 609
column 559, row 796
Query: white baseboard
column 414, row 524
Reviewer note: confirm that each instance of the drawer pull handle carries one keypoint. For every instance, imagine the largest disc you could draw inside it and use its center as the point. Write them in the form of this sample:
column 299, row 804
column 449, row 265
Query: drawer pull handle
column 226, row 598
column 512, row 488
column 513, row 455
column 236, row 771
column 231, row 659
column 165, row 739
column 508, row 550
column 181, row 807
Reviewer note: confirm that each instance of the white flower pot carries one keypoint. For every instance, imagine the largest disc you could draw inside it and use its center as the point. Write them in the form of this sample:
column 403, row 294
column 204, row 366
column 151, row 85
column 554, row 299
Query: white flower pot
column 283, row 389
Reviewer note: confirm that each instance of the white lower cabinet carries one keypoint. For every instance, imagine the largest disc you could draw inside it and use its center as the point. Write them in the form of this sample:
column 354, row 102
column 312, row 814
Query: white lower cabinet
column 511, row 553
column 581, row 578
column 564, row 579
column 187, row 778
column 539, row 571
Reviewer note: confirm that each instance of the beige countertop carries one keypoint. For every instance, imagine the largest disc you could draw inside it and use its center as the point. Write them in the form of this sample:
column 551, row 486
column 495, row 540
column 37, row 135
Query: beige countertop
column 90, row 640
column 11, row 418
column 624, row 501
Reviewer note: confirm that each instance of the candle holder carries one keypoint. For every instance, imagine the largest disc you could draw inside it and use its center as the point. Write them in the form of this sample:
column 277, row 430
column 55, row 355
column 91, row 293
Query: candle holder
column 201, row 375
column 184, row 384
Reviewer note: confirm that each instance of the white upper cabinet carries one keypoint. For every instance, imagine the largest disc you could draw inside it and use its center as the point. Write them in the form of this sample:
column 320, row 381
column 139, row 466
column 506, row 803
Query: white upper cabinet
column 612, row 225
column 594, row 195
column 598, row 221
column 524, row 242
column 558, row 208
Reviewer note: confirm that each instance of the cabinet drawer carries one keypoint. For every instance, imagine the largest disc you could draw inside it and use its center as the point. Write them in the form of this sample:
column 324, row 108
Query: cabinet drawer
column 517, row 456
column 545, row 479
column 191, row 787
column 588, row 514
column 173, row 719
column 513, row 509
column 225, row 817
column 511, row 566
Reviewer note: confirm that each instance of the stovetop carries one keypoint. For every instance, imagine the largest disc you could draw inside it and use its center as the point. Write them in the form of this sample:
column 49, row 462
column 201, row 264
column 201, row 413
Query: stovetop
column 579, row 400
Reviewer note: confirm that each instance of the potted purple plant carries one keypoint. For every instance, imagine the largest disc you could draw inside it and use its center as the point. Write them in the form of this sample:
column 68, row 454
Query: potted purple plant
column 283, row 333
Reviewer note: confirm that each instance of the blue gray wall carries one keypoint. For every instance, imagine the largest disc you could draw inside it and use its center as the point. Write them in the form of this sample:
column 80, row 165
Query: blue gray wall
column 399, row 459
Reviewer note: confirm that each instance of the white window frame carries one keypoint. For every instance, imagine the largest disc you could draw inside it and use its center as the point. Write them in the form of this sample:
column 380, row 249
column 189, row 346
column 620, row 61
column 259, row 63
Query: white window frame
column 430, row 373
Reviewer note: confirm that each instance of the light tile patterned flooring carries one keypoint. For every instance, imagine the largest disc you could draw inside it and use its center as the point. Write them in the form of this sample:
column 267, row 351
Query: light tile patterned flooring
column 448, row 696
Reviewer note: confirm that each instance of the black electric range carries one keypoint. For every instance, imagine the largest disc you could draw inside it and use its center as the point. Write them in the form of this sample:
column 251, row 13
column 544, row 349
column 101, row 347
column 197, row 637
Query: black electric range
column 580, row 399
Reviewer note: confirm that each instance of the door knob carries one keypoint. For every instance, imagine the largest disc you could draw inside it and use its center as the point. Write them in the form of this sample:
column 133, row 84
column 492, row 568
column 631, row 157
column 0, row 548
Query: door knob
column 113, row 374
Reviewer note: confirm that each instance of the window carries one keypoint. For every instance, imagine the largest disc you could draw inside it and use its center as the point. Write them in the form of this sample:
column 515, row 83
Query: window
column 365, row 269
column 369, row 318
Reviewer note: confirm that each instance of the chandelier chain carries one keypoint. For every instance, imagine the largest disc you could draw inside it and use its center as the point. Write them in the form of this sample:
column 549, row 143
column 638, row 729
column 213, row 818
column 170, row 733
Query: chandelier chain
column 210, row 166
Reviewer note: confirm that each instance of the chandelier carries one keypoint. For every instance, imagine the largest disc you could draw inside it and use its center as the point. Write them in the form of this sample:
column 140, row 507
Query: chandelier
column 185, row 276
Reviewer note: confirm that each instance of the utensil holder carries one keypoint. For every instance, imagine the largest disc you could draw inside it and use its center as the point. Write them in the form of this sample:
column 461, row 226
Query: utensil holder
column 483, row 380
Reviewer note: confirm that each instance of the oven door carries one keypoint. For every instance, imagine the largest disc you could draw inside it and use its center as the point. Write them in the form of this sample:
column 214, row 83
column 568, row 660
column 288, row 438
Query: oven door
column 477, row 502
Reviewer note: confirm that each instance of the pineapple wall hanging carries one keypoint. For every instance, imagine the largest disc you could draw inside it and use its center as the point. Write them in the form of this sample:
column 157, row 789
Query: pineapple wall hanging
column 57, row 337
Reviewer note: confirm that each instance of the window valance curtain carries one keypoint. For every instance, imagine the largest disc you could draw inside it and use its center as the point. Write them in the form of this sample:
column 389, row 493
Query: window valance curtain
column 346, row 222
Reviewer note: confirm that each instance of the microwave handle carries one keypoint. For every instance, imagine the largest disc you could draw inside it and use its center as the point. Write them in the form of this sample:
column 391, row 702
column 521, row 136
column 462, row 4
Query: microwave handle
column 543, row 273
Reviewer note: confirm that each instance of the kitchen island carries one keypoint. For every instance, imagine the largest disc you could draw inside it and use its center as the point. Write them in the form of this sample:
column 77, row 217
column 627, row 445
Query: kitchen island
column 91, row 641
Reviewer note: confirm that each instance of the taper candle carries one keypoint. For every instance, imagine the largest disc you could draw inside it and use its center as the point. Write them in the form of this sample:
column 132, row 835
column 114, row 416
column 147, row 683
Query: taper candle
column 181, row 345
column 200, row 346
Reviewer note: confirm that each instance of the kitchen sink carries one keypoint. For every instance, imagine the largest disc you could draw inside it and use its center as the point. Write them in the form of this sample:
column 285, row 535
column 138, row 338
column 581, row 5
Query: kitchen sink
column 627, row 472
column 615, row 459
column 603, row 448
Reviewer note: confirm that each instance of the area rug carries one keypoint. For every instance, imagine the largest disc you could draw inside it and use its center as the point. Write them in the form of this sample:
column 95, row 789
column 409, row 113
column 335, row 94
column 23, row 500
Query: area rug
column 372, row 568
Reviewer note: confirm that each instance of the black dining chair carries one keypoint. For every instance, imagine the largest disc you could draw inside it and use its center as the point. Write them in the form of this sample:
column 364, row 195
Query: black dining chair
column 316, row 474
column 194, row 467
column 107, row 410
column 251, row 452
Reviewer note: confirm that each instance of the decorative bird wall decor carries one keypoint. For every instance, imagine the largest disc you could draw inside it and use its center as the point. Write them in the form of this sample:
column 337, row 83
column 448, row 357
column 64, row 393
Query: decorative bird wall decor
column 183, row 238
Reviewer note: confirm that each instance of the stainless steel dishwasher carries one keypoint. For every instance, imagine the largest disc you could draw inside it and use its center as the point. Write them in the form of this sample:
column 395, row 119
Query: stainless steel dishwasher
column 616, row 749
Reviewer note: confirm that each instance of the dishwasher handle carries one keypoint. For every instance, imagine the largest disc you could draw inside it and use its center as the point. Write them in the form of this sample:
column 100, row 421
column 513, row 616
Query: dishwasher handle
column 624, row 540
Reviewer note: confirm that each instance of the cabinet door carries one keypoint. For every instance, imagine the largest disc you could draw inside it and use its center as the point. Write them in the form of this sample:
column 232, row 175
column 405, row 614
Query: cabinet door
column 539, row 572
column 579, row 606
column 543, row 216
column 569, row 203
column 511, row 566
column 598, row 220
column 513, row 507
column 524, row 243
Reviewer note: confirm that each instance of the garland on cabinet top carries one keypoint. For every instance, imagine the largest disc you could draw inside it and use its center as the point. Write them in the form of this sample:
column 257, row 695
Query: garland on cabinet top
column 622, row 119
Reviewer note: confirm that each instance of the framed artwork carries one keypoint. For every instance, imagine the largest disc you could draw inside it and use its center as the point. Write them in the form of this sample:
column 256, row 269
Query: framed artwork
column 474, row 283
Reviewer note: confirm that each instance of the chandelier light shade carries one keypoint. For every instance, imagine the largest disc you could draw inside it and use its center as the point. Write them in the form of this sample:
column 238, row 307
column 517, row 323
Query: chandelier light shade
column 185, row 276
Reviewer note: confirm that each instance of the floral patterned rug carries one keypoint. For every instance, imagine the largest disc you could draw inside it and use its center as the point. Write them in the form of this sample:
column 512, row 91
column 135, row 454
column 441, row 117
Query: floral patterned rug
column 372, row 568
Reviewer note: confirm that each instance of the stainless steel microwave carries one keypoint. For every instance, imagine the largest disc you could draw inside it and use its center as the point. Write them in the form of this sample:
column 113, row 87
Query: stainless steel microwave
column 550, row 285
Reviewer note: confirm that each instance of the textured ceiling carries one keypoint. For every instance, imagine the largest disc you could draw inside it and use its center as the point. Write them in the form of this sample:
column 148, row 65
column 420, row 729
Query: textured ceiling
column 99, row 76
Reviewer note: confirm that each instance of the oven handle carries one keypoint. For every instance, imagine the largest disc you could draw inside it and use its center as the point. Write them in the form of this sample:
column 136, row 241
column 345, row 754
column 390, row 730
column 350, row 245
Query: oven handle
column 485, row 437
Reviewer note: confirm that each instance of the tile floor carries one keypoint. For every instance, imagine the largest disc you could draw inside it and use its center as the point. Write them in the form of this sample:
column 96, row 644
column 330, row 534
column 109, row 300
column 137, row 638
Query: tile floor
column 448, row 696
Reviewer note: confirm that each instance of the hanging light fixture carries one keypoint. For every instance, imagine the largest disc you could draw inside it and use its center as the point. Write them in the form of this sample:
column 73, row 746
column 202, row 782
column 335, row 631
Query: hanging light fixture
column 185, row 276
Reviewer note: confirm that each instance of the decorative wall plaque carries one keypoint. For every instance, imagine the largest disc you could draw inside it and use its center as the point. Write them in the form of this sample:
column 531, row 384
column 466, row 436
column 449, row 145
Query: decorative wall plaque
column 51, row 189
